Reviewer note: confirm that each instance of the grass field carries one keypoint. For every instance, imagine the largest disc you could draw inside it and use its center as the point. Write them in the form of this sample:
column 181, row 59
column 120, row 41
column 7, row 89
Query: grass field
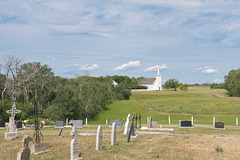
column 181, row 144
column 201, row 102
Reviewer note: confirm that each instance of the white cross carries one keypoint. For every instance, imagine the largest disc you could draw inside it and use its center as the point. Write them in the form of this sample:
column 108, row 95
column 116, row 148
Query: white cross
column 13, row 111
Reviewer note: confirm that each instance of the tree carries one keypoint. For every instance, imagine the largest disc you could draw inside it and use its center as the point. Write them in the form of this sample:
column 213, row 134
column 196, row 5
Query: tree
column 184, row 87
column 172, row 83
column 232, row 83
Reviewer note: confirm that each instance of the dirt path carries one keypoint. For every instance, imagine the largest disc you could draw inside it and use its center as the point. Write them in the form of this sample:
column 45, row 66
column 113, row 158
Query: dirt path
column 217, row 95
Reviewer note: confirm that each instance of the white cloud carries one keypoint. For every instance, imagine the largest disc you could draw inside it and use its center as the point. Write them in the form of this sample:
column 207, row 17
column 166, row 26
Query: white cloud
column 88, row 68
column 218, row 80
column 154, row 68
column 127, row 66
column 208, row 70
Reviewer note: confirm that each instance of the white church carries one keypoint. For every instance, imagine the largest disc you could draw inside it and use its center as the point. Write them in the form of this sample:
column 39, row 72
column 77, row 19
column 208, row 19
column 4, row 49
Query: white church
column 153, row 84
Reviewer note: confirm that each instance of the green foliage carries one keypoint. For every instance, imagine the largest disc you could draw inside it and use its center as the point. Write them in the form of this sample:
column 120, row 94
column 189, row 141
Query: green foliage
column 217, row 85
column 218, row 149
column 232, row 83
column 184, row 87
column 131, row 83
column 171, row 83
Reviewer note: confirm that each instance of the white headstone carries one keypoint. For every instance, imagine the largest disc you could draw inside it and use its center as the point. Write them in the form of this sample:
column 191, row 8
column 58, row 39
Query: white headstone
column 192, row 120
column 106, row 121
column 169, row 120
column 214, row 121
column 74, row 144
column 66, row 121
column 236, row 121
column 99, row 138
column 86, row 121
column 114, row 134
column 127, row 125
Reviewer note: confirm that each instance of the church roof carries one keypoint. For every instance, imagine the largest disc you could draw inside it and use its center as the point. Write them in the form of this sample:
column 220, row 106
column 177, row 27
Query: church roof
column 145, row 81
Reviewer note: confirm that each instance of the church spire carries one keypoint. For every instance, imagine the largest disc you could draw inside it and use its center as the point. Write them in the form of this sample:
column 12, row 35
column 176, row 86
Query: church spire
column 158, row 70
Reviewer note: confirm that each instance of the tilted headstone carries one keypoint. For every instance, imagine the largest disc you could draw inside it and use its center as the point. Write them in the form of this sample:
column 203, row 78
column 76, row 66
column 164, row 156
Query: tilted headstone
column 219, row 125
column 59, row 124
column 117, row 121
column 2, row 125
column 131, row 131
column 24, row 153
column 186, row 124
column 74, row 144
column 78, row 123
column 113, row 135
column 99, row 138
column 127, row 125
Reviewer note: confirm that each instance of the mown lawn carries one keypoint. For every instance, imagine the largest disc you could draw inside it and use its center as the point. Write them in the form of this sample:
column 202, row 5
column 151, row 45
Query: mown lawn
column 198, row 102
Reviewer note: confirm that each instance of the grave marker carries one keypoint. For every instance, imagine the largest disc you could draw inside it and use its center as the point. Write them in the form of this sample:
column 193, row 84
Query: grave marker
column 213, row 121
column 236, row 121
column 24, row 153
column 74, row 144
column 12, row 134
column 114, row 134
column 99, row 138
column 140, row 120
column 127, row 125
column 186, row 124
column 78, row 123
column 117, row 121
column 2, row 125
column 219, row 125
column 59, row 124
column 169, row 120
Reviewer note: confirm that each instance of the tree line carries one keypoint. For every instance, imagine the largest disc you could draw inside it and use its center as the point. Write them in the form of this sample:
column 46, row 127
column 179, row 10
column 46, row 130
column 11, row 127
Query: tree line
column 58, row 98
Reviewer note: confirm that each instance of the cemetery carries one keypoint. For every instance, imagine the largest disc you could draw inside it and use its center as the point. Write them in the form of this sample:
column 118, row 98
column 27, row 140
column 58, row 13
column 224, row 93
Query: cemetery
column 132, row 134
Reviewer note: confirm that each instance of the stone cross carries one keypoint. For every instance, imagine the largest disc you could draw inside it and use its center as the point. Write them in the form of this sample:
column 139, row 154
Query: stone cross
column 13, row 112
column 139, row 120
column 24, row 153
column 114, row 134
column 99, row 138
column 136, row 120
column 74, row 144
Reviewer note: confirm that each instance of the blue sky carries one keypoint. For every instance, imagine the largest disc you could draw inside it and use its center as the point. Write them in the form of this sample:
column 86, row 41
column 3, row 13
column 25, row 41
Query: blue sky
column 194, row 41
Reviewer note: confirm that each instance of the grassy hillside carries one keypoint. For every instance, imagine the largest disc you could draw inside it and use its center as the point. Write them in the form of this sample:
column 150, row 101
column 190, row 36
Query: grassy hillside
column 201, row 102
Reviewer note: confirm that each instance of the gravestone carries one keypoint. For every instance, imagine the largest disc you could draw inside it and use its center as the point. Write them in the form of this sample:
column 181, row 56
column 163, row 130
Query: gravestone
column 114, row 134
column 2, row 125
column 24, row 153
column 12, row 134
column 131, row 133
column 185, row 124
column 127, row 125
column 219, row 125
column 150, row 122
column 74, row 144
column 78, row 123
column 154, row 124
column 99, row 138
column 140, row 120
column 19, row 125
column 117, row 121
column 59, row 124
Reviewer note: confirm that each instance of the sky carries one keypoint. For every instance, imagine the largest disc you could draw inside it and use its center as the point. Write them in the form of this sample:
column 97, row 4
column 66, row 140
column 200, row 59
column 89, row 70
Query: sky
column 194, row 41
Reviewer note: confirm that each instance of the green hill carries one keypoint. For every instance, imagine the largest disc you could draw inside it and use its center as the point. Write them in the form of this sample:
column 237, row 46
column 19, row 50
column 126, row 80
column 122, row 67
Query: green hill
column 201, row 102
